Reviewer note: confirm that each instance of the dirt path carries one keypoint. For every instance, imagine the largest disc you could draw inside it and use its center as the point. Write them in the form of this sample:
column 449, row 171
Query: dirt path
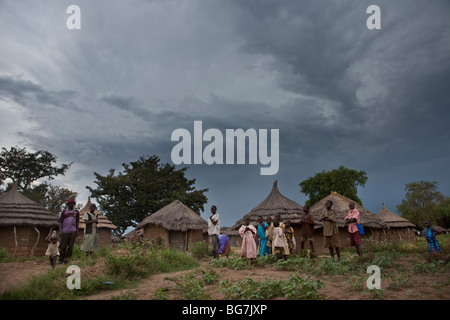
column 433, row 286
column 13, row 274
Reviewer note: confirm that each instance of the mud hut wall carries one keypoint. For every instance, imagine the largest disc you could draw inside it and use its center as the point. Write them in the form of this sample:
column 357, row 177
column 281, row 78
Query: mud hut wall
column 197, row 236
column 298, row 237
column 152, row 232
column 104, row 236
column 26, row 239
column 235, row 241
column 401, row 234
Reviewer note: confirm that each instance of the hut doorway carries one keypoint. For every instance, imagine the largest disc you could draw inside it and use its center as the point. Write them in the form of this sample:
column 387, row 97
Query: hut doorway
column 178, row 240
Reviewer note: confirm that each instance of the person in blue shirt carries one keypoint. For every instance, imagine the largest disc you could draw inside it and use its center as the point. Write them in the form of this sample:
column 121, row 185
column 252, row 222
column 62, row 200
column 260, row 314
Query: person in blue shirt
column 261, row 233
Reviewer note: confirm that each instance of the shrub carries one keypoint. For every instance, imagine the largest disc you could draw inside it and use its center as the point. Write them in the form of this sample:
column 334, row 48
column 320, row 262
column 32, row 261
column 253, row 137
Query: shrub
column 192, row 288
column 4, row 255
column 293, row 288
column 209, row 277
column 199, row 249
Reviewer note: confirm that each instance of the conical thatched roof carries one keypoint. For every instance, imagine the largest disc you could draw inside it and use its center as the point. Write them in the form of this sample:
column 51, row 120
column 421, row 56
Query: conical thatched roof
column 273, row 204
column 103, row 222
column 18, row 210
column 340, row 205
column 393, row 220
column 176, row 217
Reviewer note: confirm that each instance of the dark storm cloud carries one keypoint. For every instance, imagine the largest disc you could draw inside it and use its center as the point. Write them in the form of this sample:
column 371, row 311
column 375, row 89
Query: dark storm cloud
column 324, row 51
column 340, row 94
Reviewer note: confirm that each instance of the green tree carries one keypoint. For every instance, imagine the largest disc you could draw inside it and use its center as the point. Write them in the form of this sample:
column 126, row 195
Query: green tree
column 52, row 197
column 342, row 180
column 421, row 202
column 144, row 187
column 443, row 213
column 24, row 168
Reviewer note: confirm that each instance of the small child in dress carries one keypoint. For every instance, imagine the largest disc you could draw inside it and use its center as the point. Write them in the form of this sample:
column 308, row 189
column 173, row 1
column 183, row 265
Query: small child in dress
column 279, row 240
column 52, row 249
column 247, row 232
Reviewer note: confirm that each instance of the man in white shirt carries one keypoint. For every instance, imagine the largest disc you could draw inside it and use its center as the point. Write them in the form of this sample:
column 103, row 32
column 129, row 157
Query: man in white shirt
column 214, row 231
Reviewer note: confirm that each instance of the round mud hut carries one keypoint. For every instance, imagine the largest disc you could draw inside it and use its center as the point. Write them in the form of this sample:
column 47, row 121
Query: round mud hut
column 175, row 225
column 104, row 226
column 399, row 228
column 24, row 224
column 374, row 227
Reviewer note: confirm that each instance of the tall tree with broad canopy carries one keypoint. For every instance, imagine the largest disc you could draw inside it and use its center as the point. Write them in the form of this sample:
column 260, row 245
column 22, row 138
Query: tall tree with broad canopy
column 422, row 202
column 342, row 180
column 144, row 187
column 24, row 168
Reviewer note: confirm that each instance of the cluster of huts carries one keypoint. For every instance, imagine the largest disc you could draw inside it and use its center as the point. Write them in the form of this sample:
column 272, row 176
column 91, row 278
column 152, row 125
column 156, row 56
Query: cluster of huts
column 24, row 224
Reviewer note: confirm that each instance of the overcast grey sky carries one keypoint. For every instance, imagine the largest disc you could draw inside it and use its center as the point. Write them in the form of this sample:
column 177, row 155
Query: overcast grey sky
column 340, row 94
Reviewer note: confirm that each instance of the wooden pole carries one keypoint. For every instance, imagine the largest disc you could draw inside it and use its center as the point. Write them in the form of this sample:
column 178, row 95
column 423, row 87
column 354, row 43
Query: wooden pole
column 15, row 239
column 38, row 237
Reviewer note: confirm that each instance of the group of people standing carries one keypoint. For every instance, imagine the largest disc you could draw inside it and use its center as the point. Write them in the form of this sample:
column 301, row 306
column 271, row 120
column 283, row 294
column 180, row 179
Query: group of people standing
column 69, row 220
column 277, row 237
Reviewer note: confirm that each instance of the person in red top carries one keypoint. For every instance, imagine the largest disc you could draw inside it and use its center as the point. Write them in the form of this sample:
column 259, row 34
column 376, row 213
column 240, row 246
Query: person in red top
column 352, row 219
column 69, row 220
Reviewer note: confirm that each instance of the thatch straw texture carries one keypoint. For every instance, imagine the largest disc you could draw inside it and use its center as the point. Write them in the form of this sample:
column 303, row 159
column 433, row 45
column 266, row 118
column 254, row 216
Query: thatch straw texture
column 175, row 217
column 18, row 210
column 273, row 204
column 340, row 206
column 439, row 230
column 393, row 220
column 103, row 222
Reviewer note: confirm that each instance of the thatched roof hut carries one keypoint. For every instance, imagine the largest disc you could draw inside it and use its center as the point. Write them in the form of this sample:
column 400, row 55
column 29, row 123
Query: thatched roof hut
column 399, row 228
column 24, row 224
column 340, row 205
column 439, row 230
column 374, row 227
column 274, row 203
column 104, row 226
column 176, row 225
column 394, row 220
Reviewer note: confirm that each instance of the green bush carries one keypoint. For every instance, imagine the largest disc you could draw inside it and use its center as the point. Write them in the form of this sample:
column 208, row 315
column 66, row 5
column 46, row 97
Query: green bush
column 295, row 287
column 140, row 261
column 4, row 255
column 199, row 249
column 192, row 288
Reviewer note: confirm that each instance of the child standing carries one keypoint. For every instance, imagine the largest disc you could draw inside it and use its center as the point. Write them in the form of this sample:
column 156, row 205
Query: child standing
column 352, row 218
column 262, row 227
column 247, row 232
column 279, row 240
column 330, row 230
column 430, row 236
column 289, row 234
column 53, row 247
column 307, row 229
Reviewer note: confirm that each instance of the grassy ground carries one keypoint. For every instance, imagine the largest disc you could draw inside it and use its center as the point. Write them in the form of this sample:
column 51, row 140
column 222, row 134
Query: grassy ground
column 407, row 272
